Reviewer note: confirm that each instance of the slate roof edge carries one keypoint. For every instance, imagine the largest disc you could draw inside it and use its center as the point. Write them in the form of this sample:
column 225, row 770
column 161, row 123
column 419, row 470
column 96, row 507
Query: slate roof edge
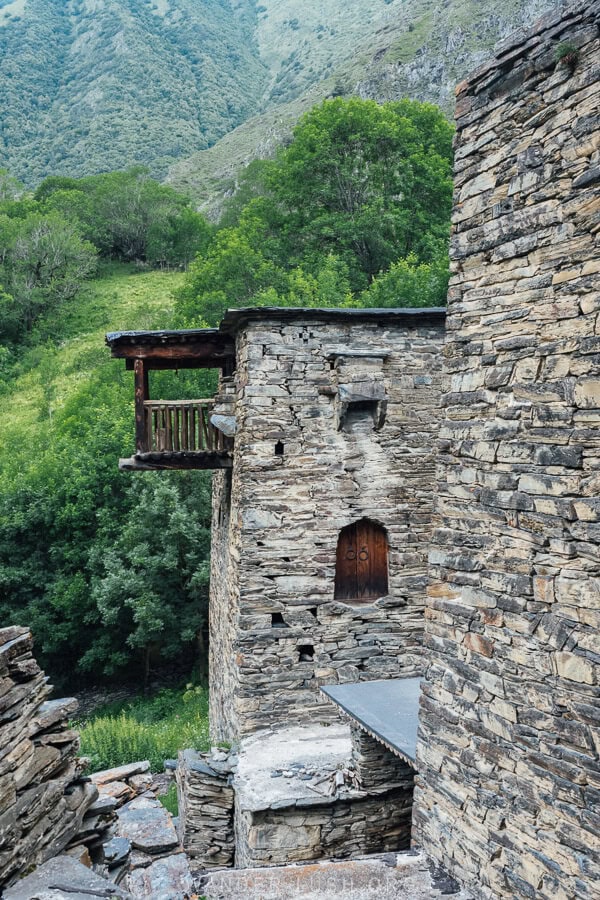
column 153, row 338
column 235, row 319
column 397, row 751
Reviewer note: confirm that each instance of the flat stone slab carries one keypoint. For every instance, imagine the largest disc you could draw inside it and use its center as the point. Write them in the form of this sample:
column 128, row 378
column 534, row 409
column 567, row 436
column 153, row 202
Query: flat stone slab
column 121, row 773
column 149, row 828
column 63, row 878
column 388, row 877
column 270, row 764
column 387, row 710
column 166, row 879
column 116, row 851
column 117, row 790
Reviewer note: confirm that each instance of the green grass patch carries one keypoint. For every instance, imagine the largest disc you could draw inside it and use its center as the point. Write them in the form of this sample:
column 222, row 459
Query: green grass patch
column 154, row 728
column 169, row 800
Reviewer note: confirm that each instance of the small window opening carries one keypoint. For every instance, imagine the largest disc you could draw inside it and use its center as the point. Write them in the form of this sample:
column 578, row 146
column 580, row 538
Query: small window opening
column 277, row 621
column 361, row 569
column 360, row 416
column 306, row 652
column 279, row 448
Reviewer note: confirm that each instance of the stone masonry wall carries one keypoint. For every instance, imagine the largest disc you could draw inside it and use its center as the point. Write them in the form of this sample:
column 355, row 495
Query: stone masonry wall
column 205, row 800
column 276, row 632
column 43, row 797
column 375, row 765
column 341, row 829
column 508, row 793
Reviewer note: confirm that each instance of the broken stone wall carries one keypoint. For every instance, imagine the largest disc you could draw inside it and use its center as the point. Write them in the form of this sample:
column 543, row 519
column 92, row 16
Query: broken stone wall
column 336, row 421
column 509, row 778
column 340, row 829
column 43, row 797
column 205, row 818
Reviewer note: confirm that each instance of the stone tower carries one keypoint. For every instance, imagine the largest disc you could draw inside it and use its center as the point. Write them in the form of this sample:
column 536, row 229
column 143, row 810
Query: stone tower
column 321, row 526
column 509, row 766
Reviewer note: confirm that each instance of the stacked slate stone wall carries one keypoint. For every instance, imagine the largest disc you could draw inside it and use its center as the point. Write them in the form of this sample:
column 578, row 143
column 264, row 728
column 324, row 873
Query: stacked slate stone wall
column 299, row 477
column 205, row 799
column 375, row 765
column 43, row 796
column 509, row 772
column 341, row 828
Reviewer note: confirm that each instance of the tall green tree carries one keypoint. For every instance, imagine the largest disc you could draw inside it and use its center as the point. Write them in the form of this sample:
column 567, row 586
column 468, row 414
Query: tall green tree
column 43, row 262
column 152, row 585
column 362, row 190
column 370, row 183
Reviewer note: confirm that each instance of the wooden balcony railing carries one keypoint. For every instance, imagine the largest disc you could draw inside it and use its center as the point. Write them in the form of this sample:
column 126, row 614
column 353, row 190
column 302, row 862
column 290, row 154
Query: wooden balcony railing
column 181, row 426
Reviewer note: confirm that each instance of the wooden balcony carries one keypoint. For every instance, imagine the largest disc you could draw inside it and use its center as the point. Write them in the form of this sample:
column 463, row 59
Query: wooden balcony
column 175, row 435
column 179, row 435
column 182, row 426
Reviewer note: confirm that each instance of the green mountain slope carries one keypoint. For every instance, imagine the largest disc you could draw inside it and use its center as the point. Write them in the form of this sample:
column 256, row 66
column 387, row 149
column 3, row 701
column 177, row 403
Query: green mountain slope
column 420, row 50
column 52, row 376
column 94, row 85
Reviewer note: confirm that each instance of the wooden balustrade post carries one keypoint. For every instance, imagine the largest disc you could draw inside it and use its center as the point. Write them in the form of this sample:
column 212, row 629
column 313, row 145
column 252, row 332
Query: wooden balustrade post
column 141, row 395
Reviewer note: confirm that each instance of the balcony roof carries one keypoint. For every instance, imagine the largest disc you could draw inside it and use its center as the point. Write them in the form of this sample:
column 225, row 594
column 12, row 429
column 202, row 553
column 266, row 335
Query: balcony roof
column 200, row 348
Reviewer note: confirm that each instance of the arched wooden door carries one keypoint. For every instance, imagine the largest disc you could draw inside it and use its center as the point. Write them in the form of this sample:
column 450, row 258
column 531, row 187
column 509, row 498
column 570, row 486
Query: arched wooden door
column 361, row 571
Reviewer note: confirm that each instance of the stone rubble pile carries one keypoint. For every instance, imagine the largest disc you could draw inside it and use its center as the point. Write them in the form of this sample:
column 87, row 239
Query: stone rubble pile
column 206, row 800
column 44, row 797
column 141, row 850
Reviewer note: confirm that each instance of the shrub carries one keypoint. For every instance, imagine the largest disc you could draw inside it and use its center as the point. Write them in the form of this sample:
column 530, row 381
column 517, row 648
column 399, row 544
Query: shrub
column 154, row 729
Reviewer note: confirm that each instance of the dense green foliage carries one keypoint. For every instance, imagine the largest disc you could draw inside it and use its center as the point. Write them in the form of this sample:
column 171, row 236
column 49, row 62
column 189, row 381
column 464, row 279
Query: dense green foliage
column 355, row 211
column 96, row 561
column 49, row 242
column 154, row 729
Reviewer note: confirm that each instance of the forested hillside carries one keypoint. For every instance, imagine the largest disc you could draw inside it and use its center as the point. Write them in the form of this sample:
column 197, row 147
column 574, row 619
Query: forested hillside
column 94, row 85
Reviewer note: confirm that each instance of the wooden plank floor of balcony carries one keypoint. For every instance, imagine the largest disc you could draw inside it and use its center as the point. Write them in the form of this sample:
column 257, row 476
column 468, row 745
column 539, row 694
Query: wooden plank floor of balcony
column 171, row 459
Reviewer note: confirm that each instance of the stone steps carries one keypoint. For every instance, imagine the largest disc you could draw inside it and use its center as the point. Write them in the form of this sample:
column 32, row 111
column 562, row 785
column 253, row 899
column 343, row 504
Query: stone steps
column 390, row 876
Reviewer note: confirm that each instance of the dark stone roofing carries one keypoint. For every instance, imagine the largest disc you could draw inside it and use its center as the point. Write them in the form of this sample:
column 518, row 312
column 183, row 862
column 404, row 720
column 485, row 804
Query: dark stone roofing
column 156, row 338
column 236, row 319
column 387, row 710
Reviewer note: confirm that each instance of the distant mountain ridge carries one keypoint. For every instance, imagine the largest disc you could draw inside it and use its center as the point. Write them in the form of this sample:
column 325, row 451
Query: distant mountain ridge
column 420, row 50
column 93, row 85
column 195, row 89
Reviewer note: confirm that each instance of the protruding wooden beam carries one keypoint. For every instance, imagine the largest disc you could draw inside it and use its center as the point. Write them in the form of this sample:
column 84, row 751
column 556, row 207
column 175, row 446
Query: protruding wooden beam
column 161, row 461
column 142, row 393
